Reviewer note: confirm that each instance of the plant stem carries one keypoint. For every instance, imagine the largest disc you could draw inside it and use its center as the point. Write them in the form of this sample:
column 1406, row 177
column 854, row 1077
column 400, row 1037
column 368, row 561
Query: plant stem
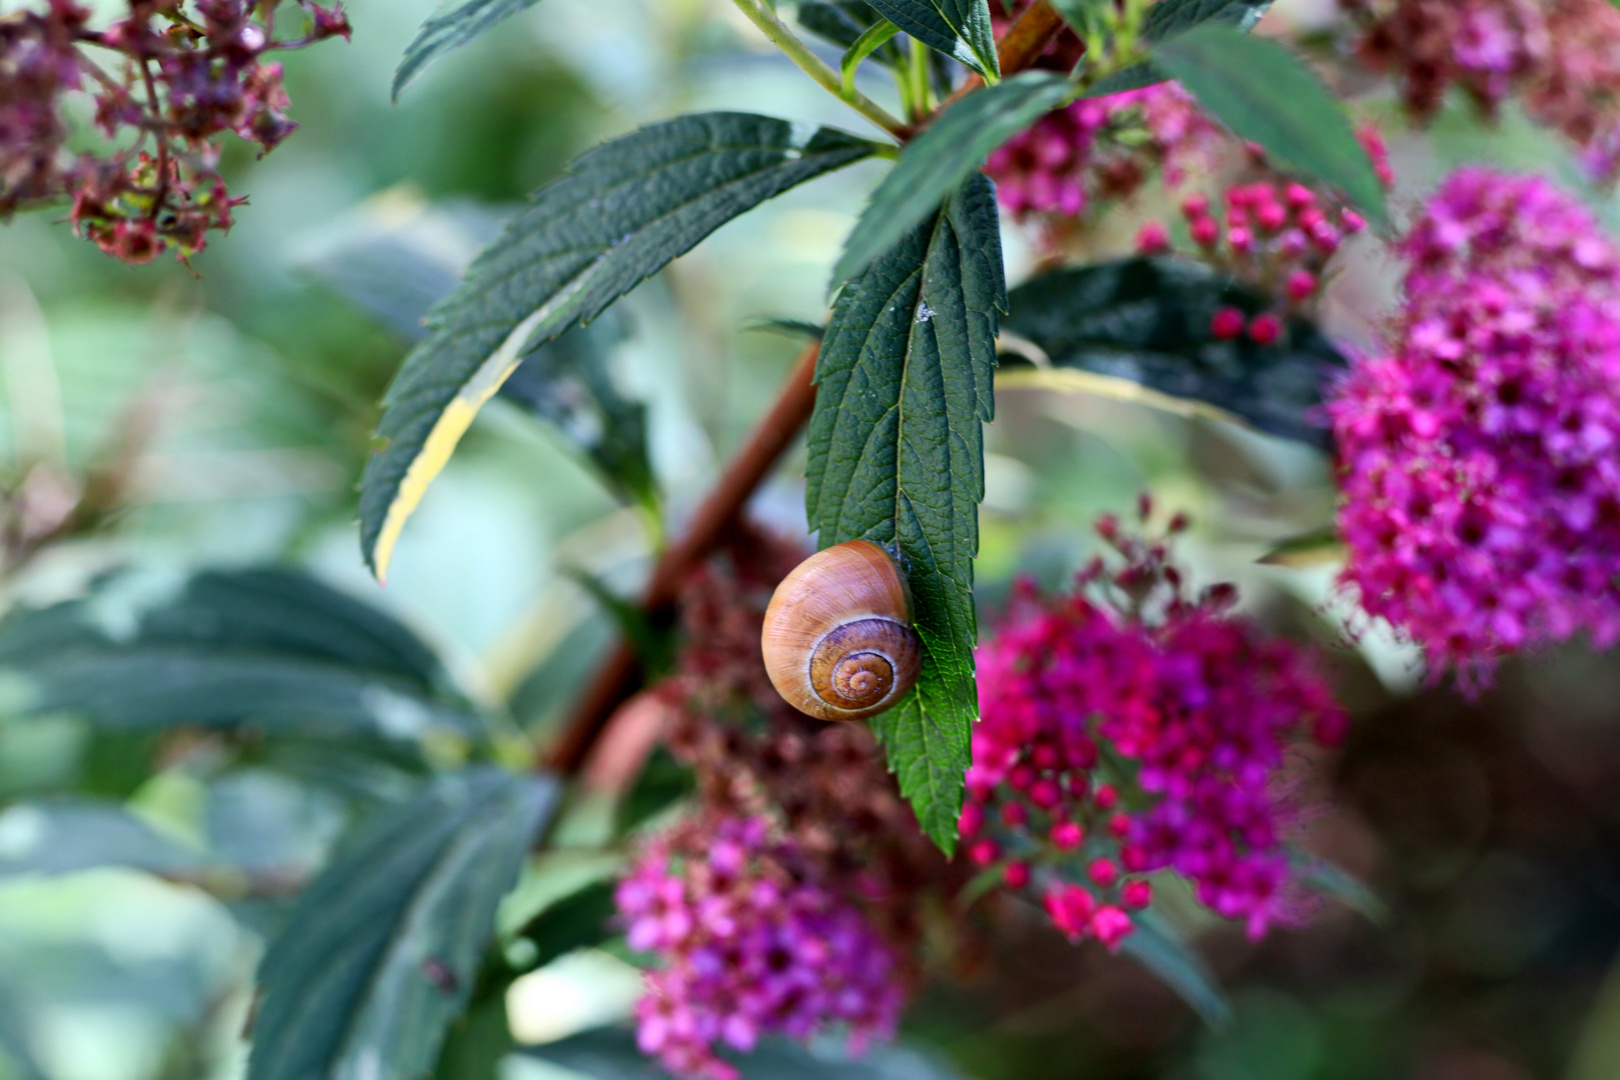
column 1020, row 46
column 619, row 676
column 813, row 66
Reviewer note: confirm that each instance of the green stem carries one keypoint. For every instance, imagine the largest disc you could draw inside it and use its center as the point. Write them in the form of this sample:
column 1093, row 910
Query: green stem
column 919, row 73
column 813, row 66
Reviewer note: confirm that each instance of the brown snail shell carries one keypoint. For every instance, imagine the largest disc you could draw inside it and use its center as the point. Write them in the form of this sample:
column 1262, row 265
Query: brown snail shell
column 838, row 640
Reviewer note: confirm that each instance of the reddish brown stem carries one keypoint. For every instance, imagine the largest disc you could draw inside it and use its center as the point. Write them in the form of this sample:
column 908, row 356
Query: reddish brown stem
column 1023, row 43
column 619, row 676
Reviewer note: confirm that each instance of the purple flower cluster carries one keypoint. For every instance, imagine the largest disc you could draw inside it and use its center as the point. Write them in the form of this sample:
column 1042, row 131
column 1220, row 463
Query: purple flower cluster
column 1561, row 57
column 1480, row 462
column 1128, row 728
column 185, row 74
column 751, row 942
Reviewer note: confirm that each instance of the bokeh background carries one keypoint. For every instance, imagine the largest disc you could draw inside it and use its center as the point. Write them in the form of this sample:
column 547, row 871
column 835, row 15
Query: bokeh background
column 234, row 408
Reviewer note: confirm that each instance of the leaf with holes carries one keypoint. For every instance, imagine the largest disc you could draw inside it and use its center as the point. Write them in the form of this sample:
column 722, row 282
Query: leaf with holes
column 270, row 648
column 620, row 214
column 380, row 953
column 451, row 30
column 1143, row 326
column 1267, row 96
column 940, row 159
column 959, row 29
column 897, row 457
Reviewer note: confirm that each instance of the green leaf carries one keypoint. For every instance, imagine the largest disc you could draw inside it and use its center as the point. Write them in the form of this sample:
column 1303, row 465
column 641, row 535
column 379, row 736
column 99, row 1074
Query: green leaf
column 397, row 270
column 897, row 457
column 380, row 953
column 17, row 1033
column 1157, row 946
column 619, row 215
column 451, row 30
column 1167, row 18
column 1334, row 881
column 1143, row 325
column 1267, row 96
column 875, row 37
column 62, row 836
column 937, row 161
column 271, row 648
column 611, row 1054
column 959, row 29
column 577, row 921
column 842, row 22
column 1319, row 547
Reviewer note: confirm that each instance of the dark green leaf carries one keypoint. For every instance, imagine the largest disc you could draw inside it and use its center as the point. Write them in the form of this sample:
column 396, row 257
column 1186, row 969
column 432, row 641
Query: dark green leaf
column 266, row 647
column 611, row 1054
column 1266, row 95
column 1157, row 946
column 798, row 329
column 397, row 271
column 1147, row 321
column 477, row 1043
column 1168, row 18
column 619, row 214
column 62, row 836
column 897, row 457
column 936, row 162
column 876, row 36
column 842, row 22
column 663, row 781
column 577, row 921
column 959, row 29
column 381, row 951
column 451, row 30
column 566, row 382
column 654, row 645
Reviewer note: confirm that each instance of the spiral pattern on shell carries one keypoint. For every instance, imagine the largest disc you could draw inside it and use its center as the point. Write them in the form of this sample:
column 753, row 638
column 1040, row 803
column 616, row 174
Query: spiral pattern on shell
column 838, row 641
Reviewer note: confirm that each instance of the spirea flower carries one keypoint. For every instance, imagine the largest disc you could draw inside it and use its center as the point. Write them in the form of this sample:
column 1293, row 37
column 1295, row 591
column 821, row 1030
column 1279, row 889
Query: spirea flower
column 1129, row 728
column 1096, row 148
column 1561, row 57
column 186, row 74
column 1478, row 462
column 749, row 942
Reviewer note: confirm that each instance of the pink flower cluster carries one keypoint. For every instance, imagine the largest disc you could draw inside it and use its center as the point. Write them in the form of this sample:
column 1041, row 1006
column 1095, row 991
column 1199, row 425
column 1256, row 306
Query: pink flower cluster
column 1129, row 728
column 1075, row 155
column 1479, row 464
column 1561, row 57
column 185, row 74
column 1277, row 236
column 750, row 942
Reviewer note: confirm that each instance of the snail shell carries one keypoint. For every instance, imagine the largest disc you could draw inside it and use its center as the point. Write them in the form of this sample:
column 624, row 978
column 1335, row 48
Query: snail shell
column 838, row 641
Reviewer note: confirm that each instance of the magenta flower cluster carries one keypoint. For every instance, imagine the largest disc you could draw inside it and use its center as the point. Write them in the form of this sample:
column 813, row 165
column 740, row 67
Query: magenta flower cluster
column 749, row 942
column 1479, row 463
column 1129, row 728
column 182, row 73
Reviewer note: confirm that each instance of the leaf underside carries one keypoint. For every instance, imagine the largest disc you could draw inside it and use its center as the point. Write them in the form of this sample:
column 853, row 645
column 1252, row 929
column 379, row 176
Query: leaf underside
column 270, row 648
column 940, row 159
column 380, row 953
column 1147, row 320
column 959, row 29
column 620, row 214
column 444, row 33
column 897, row 457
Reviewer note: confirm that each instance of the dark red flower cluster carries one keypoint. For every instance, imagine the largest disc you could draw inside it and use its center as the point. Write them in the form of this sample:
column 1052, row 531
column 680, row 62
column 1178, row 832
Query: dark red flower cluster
column 1477, row 462
column 1562, row 57
column 1130, row 728
column 165, row 81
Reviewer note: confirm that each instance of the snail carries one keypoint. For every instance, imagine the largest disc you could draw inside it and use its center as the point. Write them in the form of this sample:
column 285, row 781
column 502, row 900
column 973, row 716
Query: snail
column 838, row 641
